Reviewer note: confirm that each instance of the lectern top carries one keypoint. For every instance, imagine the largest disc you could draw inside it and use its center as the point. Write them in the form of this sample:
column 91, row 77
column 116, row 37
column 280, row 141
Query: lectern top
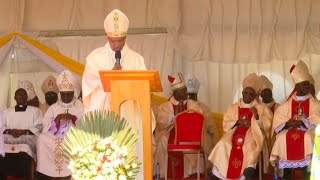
column 134, row 75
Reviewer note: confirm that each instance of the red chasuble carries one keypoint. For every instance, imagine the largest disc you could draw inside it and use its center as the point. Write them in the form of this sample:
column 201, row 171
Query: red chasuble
column 295, row 137
column 175, row 160
column 236, row 155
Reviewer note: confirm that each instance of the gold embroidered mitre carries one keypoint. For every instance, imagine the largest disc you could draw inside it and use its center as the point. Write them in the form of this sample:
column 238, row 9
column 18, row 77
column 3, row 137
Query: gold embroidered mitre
column 116, row 24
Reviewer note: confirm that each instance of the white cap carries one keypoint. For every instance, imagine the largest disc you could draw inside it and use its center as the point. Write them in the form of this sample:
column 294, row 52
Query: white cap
column 49, row 84
column 66, row 81
column 300, row 72
column 28, row 86
column 116, row 24
column 253, row 81
column 266, row 83
column 177, row 82
column 193, row 84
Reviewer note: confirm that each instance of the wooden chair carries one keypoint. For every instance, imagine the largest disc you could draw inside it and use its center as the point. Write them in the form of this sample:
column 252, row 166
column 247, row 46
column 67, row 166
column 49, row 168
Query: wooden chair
column 189, row 126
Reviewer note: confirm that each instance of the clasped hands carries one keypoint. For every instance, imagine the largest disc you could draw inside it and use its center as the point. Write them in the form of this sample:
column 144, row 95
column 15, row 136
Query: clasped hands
column 65, row 117
column 246, row 122
column 17, row 132
column 117, row 67
column 295, row 124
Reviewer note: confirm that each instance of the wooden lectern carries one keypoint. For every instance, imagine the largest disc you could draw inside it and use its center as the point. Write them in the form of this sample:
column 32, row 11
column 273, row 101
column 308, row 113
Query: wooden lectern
column 135, row 85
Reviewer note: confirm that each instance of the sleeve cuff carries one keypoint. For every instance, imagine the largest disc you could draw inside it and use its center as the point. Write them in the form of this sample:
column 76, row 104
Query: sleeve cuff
column 280, row 128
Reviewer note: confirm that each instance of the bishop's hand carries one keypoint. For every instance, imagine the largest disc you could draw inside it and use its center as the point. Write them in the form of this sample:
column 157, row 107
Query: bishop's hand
column 65, row 117
column 244, row 123
column 293, row 123
column 117, row 67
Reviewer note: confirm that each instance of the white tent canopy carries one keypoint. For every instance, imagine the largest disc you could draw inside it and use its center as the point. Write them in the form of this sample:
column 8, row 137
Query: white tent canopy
column 220, row 41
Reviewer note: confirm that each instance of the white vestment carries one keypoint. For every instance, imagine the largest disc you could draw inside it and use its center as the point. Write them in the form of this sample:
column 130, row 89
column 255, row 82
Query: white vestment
column 30, row 119
column 51, row 161
column 253, row 142
column 103, row 58
column 94, row 97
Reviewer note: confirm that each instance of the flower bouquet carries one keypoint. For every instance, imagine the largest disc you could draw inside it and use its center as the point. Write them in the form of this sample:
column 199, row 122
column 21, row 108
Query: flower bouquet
column 101, row 147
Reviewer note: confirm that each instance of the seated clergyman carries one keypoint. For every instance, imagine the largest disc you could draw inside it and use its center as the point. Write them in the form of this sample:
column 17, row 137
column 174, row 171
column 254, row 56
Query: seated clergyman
column 21, row 126
column 59, row 118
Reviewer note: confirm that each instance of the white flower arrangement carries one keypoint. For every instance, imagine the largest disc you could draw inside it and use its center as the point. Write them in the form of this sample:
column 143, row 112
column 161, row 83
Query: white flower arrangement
column 100, row 160
column 101, row 147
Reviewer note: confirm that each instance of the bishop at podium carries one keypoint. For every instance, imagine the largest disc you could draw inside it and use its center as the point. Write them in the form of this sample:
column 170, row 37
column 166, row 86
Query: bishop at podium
column 115, row 55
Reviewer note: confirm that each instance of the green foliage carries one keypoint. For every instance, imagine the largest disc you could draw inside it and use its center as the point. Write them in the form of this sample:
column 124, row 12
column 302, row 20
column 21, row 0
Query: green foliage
column 99, row 125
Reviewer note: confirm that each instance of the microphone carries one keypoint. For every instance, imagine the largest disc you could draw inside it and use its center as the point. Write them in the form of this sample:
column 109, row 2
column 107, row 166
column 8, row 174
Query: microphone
column 118, row 57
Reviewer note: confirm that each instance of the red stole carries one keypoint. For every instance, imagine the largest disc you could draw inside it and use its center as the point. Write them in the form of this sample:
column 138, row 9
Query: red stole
column 175, row 159
column 295, row 137
column 238, row 138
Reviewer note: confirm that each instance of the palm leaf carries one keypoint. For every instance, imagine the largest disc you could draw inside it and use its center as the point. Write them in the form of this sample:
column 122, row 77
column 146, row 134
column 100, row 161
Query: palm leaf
column 98, row 125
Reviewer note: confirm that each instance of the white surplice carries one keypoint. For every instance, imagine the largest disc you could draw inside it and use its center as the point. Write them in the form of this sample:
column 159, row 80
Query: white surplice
column 30, row 119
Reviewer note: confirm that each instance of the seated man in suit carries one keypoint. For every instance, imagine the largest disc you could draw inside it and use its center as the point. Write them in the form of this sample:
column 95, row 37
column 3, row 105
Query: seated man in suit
column 245, row 123
column 21, row 126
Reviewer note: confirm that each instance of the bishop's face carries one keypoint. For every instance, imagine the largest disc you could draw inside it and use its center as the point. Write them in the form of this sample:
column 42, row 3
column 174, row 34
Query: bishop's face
column 181, row 94
column 266, row 95
column 51, row 97
column 248, row 95
column 67, row 96
column 302, row 88
column 116, row 43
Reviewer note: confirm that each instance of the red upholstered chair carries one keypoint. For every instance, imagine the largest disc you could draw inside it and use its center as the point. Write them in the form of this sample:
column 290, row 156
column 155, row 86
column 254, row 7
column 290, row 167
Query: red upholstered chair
column 189, row 126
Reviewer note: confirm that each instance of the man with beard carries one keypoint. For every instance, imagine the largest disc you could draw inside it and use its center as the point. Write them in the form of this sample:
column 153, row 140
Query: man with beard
column 294, row 122
column 59, row 118
column 50, row 91
column 244, row 123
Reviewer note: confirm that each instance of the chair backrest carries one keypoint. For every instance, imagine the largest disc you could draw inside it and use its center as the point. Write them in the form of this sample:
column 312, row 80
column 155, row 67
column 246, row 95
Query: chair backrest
column 189, row 127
